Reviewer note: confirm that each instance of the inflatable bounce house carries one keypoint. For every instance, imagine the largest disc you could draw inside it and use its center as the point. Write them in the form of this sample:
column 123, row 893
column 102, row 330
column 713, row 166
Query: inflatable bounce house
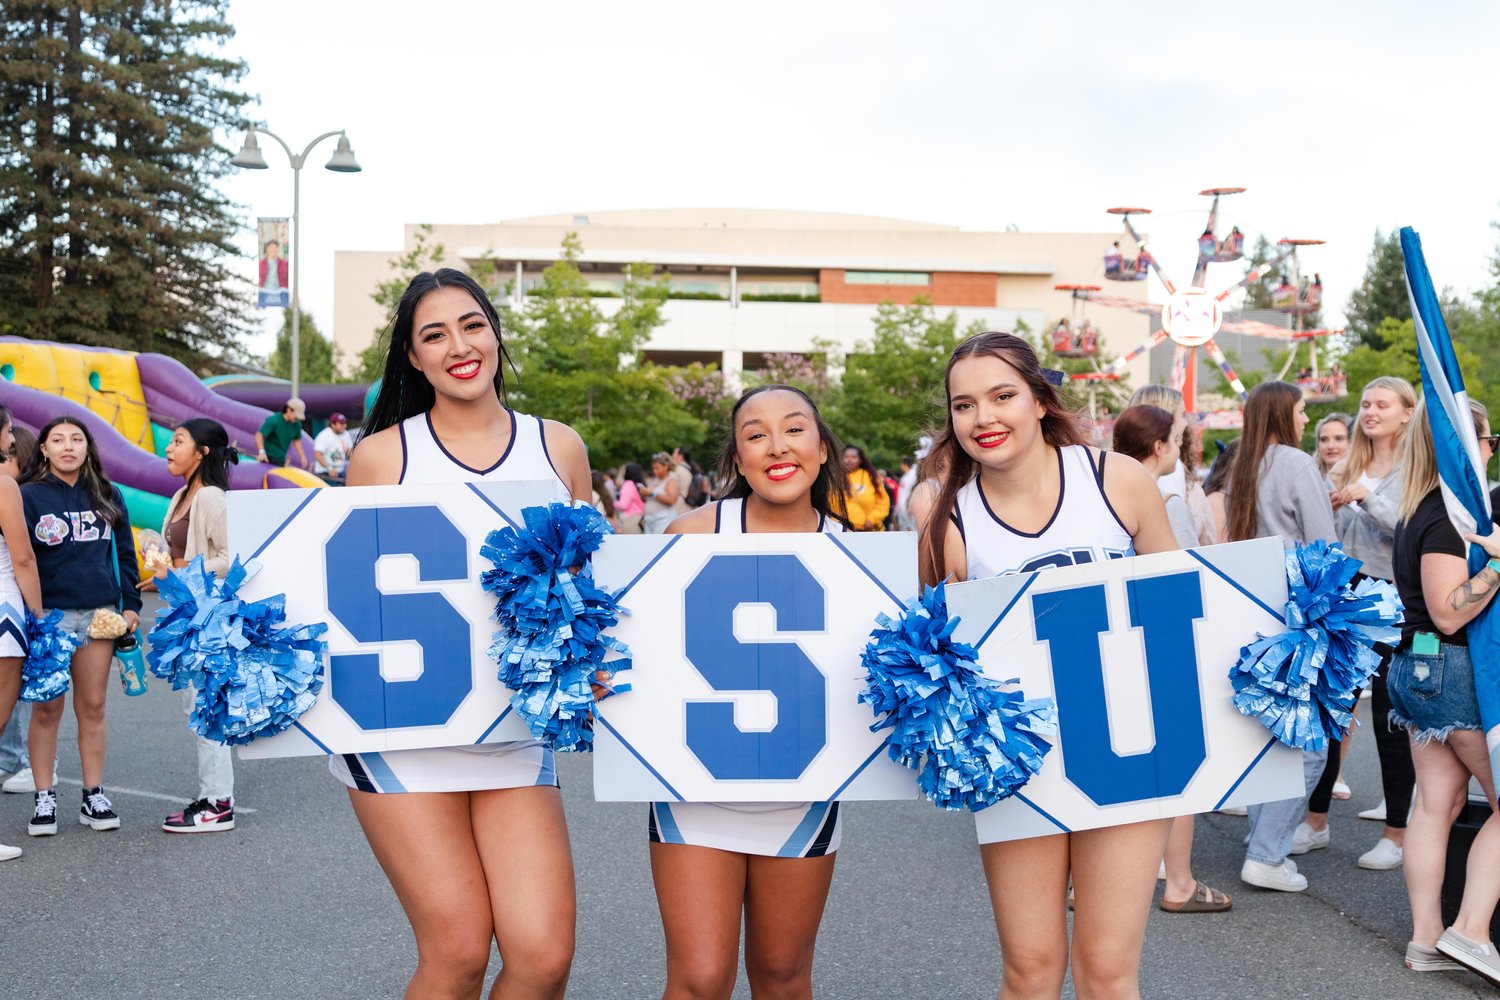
column 130, row 403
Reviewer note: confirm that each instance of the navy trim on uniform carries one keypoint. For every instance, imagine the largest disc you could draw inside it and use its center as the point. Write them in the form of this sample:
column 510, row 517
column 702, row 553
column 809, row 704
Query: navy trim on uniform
column 10, row 628
column 825, row 835
column 1099, row 477
column 957, row 517
column 718, row 512
column 651, row 831
column 541, row 432
column 480, row 472
column 357, row 772
column 744, row 517
column 401, row 429
column 1062, row 489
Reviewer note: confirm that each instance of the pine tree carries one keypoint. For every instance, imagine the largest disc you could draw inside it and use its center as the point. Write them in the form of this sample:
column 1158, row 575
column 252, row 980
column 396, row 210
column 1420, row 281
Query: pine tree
column 1381, row 295
column 317, row 356
column 111, row 229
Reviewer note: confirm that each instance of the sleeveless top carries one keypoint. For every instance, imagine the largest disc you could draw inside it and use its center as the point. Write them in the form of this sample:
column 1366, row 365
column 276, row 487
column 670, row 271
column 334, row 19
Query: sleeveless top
column 1084, row 528
column 425, row 460
column 729, row 519
column 8, row 583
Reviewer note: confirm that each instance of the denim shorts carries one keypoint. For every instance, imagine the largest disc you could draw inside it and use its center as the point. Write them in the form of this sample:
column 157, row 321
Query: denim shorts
column 1433, row 695
column 77, row 621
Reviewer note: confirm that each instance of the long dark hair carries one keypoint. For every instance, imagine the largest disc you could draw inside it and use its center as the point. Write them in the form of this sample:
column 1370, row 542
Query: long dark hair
column 828, row 485
column 405, row 391
column 608, row 502
column 91, row 473
column 635, row 474
column 1268, row 421
column 1218, row 474
column 1059, row 422
column 1140, row 428
column 213, row 468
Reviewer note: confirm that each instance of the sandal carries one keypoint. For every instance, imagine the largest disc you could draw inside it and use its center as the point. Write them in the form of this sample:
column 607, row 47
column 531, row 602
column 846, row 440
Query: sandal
column 1203, row 900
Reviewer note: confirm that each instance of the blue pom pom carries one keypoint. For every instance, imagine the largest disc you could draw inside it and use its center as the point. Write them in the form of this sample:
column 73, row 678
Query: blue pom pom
column 254, row 676
column 47, row 670
column 552, row 645
column 972, row 742
column 1301, row 683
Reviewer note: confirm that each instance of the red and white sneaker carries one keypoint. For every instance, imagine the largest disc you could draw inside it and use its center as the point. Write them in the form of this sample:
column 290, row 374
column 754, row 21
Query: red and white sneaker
column 202, row 816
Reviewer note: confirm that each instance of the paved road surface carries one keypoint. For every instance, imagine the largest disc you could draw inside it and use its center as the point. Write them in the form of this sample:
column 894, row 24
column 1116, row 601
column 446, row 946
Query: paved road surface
column 292, row 904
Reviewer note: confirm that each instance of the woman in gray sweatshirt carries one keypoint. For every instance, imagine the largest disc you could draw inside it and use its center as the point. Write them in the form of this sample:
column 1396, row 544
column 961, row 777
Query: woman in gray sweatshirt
column 1275, row 489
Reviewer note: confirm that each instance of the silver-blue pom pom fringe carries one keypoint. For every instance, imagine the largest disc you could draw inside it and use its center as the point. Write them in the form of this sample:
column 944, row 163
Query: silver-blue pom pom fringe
column 47, row 669
column 1301, row 684
column 971, row 742
column 254, row 675
column 552, row 645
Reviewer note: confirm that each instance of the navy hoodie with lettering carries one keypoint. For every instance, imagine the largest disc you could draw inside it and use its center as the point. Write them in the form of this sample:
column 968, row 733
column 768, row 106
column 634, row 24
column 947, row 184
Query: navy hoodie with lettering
column 75, row 547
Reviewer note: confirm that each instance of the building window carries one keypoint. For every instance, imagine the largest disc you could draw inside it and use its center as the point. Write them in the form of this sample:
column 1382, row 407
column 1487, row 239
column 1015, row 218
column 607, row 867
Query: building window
column 887, row 278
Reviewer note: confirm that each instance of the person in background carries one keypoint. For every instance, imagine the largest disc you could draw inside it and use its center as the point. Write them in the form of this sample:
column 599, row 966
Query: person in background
column 661, row 495
column 87, row 565
column 903, row 494
column 1215, row 487
column 684, row 469
column 603, row 502
column 1149, row 434
column 14, row 760
column 1275, row 489
column 280, row 432
column 867, row 502
column 20, row 590
column 630, row 507
column 1433, row 700
column 1183, row 477
column 1332, row 437
column 197, row 524
column 332, row 446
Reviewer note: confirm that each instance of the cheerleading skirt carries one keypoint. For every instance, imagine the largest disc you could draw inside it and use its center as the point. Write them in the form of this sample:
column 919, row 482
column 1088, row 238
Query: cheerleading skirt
column 12, row 624
column 771, row 829
column 519, row 764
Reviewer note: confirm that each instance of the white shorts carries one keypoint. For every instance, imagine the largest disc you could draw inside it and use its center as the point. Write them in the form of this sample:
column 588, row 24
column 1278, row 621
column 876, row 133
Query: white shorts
column 12, row 625
column 772, row 829
column 519, row 764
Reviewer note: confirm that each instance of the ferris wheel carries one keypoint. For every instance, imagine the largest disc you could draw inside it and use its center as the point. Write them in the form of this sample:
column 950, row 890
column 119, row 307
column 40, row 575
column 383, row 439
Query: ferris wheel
column 1192, row 315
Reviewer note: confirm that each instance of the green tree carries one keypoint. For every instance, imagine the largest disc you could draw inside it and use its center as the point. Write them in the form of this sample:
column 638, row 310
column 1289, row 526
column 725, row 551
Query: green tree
column 1258, row 294
column 317, row 355
column 111, row 229
column 1381, row 295
column 892, row 386
column 812, row 372
column 585, row 369
column 424, row 255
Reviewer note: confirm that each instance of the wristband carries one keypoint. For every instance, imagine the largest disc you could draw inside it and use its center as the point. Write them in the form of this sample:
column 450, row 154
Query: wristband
column 1493, row 564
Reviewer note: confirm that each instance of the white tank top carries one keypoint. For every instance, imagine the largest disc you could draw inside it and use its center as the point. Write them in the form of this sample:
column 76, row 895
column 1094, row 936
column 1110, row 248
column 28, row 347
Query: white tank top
column 729, row 519
column 1084, row 528
column 425, row 460
column 8, row 583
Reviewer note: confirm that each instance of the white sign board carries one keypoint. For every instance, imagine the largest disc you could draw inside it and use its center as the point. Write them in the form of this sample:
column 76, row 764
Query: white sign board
column 746, row 667
column 1137, row 654
column 394, row 571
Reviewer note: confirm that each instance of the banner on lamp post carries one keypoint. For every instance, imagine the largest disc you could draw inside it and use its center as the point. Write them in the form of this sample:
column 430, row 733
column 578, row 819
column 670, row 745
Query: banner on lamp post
column 273, row 284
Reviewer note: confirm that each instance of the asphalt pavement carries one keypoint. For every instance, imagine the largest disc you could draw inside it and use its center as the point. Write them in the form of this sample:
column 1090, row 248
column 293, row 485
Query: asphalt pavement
column 292, row 904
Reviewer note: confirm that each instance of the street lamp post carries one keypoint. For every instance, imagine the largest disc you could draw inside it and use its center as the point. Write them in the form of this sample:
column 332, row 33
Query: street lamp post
column 343, row 162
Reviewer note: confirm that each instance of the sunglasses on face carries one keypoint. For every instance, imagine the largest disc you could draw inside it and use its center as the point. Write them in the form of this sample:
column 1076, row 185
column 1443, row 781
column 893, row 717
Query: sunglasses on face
column 1494, row 440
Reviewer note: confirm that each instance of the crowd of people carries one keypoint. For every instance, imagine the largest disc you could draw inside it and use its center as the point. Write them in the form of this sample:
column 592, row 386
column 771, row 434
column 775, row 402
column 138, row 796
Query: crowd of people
column 474, row 839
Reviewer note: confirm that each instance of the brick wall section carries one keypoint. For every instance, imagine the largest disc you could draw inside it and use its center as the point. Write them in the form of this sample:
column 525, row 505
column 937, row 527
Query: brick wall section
column 948, row 288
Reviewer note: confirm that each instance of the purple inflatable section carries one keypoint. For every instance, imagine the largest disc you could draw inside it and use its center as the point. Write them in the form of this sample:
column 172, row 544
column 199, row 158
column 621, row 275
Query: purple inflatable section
column 174, row 394
column 321, row 400
column 124, row 462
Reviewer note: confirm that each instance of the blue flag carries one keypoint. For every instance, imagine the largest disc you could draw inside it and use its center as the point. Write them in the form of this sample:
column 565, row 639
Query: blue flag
column 1462, row 476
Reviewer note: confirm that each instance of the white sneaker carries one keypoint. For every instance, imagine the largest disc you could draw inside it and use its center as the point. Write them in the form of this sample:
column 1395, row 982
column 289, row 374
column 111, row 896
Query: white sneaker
column 7, row 852
column 1377, row 814
column 1384, row 856
column 1307, row 839
column 20, row 783
column 1282, row 877
column 1341, row 790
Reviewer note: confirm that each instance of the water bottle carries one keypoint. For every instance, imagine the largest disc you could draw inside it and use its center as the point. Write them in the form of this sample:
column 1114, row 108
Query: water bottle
column 132, row 663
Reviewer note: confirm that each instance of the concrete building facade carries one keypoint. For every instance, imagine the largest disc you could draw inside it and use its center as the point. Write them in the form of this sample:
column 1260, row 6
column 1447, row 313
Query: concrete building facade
column 747, row 283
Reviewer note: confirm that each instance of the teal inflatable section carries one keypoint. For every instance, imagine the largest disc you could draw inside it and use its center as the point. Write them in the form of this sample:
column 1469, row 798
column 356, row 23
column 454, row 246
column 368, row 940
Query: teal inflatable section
column 147, row 510
column 160, row 438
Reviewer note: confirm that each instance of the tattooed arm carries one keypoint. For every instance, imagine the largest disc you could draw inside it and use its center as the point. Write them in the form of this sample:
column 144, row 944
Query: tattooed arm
column 1453, row 597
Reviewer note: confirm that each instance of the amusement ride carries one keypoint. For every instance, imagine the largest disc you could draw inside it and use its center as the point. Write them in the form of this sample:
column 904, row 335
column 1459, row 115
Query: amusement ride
column 1192, row 315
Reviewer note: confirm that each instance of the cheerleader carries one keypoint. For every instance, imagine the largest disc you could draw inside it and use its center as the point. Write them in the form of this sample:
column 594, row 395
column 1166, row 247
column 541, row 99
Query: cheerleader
column 1022, row 492
column 773, row 862
column 472, row 838
column 20, row 589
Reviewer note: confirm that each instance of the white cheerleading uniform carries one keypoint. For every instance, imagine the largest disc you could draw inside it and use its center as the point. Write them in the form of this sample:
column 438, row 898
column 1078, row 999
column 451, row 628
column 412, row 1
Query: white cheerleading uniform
column 1084, row 528
column 12, row 608
column 515, row 764
column 773, row 829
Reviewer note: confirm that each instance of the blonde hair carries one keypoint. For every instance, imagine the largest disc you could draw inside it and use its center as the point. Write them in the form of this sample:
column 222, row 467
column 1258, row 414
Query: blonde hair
column 1420, row 460
column 1361, row 448
column 1164, row 396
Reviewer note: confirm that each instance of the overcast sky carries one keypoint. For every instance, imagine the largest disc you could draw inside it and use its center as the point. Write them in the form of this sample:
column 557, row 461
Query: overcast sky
column 1338, row 117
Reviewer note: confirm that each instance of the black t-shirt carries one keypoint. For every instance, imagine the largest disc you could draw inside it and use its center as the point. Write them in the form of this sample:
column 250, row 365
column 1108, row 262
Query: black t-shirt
column 1427, row 530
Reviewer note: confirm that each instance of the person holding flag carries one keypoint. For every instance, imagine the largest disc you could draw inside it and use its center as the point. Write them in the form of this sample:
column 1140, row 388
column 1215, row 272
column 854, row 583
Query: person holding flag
column 1445, row 678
